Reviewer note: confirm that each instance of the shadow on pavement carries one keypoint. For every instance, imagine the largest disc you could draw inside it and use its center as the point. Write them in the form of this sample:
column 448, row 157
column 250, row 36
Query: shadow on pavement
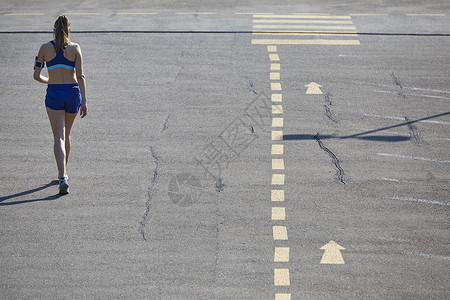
column 363, row 135
column 53, row 197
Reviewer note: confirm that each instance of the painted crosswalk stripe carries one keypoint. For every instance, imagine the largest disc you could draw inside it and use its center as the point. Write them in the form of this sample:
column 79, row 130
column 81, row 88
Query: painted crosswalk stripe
column 302, row 17
column 304, row 42
column 300, row 21
column 290, row 29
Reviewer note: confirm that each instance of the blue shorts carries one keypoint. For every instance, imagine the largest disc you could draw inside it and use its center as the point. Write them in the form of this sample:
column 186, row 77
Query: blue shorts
column 63, row 97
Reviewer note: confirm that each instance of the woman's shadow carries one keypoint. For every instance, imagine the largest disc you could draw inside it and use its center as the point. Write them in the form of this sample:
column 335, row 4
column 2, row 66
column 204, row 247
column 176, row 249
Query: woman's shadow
column 53, row 197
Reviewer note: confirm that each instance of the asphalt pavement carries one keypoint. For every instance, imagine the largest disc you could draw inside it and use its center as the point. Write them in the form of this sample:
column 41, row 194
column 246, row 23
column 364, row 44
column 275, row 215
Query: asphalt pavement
column 232, row 151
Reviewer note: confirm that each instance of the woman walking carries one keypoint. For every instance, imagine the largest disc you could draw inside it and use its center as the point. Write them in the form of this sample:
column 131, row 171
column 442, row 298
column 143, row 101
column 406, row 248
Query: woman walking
column 66, row 91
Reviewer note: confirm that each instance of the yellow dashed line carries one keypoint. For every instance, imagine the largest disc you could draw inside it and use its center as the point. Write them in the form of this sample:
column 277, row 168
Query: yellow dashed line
column 277, row 195
column 277, row 109
column 277, row 164
column 277, row 179
column 275, row 86
column 272, row 48
column 275, row 67
column 274, row 75
column 277, row 98
column 282, row 296
column 277, row 135
column 277, row 122
column 281, row 253
column 280, row 233
column 281, row 277
column 274, row 57
column 277, row 149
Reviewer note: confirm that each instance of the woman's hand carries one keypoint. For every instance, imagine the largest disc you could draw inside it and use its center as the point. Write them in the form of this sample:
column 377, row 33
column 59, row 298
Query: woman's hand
column 83, row 110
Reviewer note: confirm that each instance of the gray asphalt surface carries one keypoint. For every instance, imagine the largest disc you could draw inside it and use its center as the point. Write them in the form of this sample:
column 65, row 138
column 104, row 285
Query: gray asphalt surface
column 366, row 162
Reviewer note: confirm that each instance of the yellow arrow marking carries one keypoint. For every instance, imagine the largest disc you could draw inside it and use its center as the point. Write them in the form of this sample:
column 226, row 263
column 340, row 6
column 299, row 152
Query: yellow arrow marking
column 332, row 255
column 313, row 89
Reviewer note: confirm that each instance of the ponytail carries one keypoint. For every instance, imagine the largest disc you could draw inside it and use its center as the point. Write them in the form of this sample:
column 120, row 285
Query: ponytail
column 61, row 33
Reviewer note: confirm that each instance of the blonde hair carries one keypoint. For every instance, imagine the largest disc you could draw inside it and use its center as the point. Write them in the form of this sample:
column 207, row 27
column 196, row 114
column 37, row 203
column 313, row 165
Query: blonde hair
column 61, row 32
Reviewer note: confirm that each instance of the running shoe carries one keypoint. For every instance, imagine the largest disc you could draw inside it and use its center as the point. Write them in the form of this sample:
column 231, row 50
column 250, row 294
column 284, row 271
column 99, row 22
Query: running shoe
column 63, row 186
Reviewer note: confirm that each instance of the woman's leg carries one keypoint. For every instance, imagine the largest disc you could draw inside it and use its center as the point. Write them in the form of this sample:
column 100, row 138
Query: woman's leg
column 57, row 121
column 69, row 119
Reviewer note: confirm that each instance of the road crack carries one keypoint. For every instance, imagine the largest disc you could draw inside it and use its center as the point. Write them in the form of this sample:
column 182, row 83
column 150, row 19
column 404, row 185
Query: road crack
column 151, row 191
column 339, row 171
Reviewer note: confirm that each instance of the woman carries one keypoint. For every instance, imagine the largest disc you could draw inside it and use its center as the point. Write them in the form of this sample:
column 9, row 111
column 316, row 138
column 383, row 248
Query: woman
column 66, row 91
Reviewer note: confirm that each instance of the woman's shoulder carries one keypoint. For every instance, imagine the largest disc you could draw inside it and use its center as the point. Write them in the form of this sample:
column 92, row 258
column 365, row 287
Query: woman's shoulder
column 73, row 45
column 47, row 45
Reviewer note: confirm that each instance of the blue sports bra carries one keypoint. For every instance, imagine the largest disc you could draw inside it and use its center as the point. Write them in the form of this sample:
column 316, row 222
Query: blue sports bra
column 60, row 61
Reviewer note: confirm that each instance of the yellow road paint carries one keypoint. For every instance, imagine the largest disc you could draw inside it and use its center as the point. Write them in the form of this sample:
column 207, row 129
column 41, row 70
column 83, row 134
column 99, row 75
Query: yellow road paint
column 277, row 195
column 278, row 213
column 332, row 254
column 305, row 42
column 305, row 33
column 277, row 122
column 303, row 17
column 277, row 109
column 275, row 67
column 24, row 14
column 313, row 89
column 246, row 13
column 274, row 57
column 138, row 13
column 301, row 21
column 304, row 27
column 81, row 14
column 277, row 98
column 281, row 277
column 280, row 233
column 425, row 15
column 277, row 135
column 272, row 48
column 277, row 179
column 277, row 164
column 275, row 86
column 274, row 75
column 281, row 254
column 282, row 296
column 195, row 13
column 369, row 15
column 277, row 149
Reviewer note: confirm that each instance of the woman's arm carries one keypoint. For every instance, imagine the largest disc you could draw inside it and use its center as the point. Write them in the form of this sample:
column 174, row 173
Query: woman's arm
column 81, row 80
column 37, row 71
